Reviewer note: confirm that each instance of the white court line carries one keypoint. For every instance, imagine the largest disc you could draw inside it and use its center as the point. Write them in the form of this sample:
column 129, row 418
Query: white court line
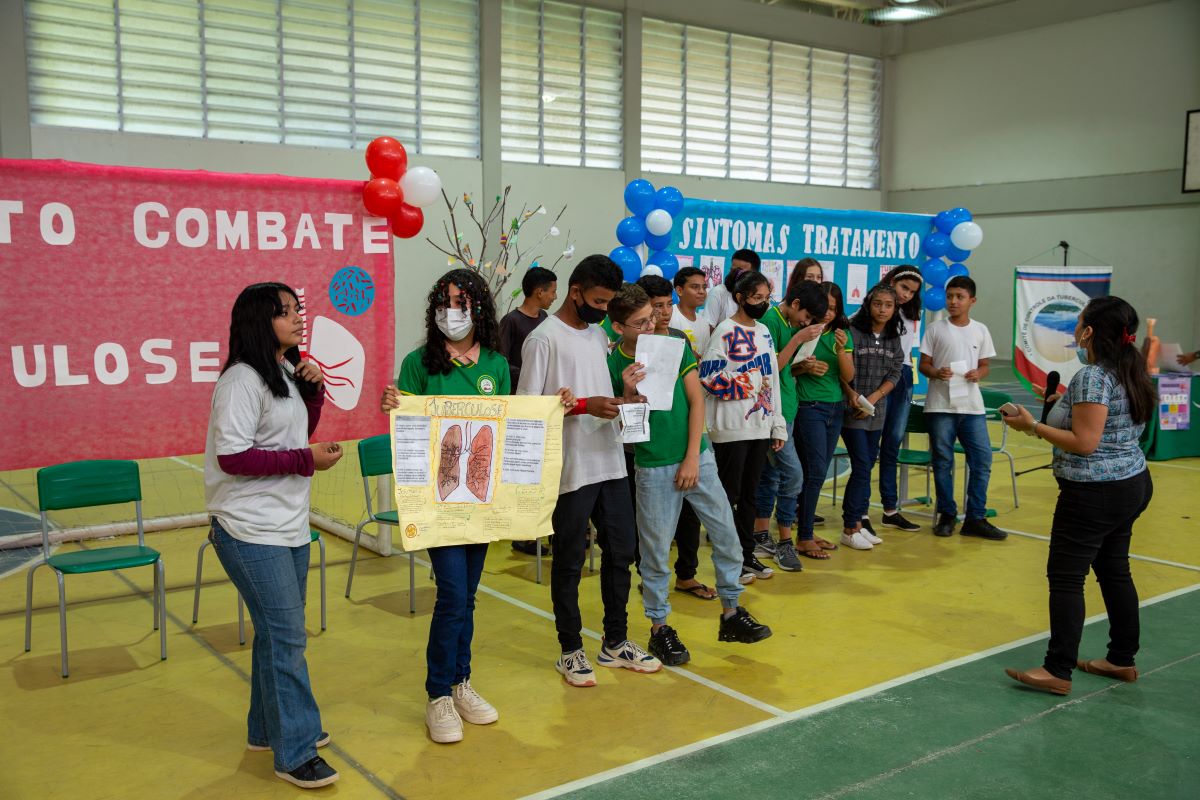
column 179, row 460
column 809, row 711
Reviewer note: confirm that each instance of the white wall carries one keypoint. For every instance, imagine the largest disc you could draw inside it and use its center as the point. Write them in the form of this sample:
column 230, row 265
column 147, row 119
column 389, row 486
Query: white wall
column 1098, row 96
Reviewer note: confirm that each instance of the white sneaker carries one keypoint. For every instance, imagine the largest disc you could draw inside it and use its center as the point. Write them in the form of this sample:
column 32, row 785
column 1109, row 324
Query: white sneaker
column 870, row 537
column 471, row 707
column 746, row 578
column 576, row 668
column 443, row 722
column 856, row 541
column 628, row 655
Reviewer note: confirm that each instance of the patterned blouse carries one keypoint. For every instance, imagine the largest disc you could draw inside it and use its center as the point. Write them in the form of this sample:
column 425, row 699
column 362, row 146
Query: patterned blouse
column 1118, row 456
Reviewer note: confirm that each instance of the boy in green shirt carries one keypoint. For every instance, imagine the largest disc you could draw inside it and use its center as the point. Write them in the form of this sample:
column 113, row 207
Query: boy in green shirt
column 676, row 463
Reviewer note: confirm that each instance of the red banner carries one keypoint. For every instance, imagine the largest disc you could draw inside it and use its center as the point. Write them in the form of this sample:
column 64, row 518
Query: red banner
column 118, row 285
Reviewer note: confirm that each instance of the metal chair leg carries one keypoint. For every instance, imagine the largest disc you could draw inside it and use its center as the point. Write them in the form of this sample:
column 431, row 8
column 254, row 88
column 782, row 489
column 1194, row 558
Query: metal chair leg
column 354, row 556
column 199, row 575
column 321, row 547
column 29, row 605
column 154, row 600
column 241, row 619
column 412, row 584
column 161, row 573
column 62, row 620
column 1012, row 469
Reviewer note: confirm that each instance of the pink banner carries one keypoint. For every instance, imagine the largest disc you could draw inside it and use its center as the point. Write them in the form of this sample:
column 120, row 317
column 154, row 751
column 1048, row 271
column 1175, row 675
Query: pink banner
column 118, row 283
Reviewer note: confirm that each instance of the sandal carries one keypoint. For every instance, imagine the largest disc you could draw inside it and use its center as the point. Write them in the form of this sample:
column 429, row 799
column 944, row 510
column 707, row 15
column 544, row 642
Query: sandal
column 818, row 553
column 699, row 590
column 824, row 544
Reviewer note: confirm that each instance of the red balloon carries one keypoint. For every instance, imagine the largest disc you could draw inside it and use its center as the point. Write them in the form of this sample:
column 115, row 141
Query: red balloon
column 408, row 221
column 386, row 158
column 382, row 197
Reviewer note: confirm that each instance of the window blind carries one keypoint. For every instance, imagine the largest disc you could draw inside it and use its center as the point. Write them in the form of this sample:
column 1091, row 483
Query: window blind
column 561, row 91
column 729, row 106
column 332, row 73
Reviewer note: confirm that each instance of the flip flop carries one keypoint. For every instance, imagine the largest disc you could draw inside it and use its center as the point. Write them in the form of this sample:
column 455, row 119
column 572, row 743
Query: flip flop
column 699, row 590
column 824, row 544
column 817, row 554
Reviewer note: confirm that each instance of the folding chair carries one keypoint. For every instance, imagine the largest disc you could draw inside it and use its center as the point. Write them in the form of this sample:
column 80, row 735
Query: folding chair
column 908, row 457
column 992, row 400
column 241, row 608
column 82, row 484
column 375, row 458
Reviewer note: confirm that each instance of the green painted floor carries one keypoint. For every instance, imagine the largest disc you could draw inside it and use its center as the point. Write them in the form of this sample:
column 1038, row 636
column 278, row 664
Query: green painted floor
column 971, row 732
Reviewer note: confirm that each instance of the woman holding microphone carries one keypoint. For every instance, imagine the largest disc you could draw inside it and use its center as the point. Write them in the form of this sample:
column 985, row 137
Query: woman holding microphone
column 1104, row 486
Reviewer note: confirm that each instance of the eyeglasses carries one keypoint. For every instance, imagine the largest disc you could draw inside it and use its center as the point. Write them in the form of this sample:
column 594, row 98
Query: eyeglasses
column 644, row 325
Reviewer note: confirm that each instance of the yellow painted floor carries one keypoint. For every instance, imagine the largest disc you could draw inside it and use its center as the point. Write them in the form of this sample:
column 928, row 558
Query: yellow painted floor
column 127, row 725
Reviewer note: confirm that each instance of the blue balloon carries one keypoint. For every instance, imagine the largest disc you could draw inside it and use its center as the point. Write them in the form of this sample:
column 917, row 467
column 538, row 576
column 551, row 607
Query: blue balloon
column 956, row 254
column 936, row 244
column 639, row 197
column 670, row 200
column 666, row 261
column 631, row 231
column 958, row 215
column 629, row 261
column 658, row 242
column 935, row 298
column 935, row 272
column 956, row 270
column 943, row 222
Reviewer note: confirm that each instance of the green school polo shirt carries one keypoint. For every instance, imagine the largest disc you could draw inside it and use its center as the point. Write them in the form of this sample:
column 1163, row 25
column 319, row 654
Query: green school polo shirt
column 827, row 388
column 668, row 429
column 782, row 333
column 489, row 376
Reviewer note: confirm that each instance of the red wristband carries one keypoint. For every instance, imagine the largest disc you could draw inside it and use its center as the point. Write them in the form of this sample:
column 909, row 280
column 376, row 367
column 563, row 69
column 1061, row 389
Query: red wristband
column 580, row 407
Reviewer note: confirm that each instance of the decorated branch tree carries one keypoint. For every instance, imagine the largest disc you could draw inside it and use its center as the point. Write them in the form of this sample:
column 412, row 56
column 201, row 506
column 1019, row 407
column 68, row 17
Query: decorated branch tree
column 506, row 247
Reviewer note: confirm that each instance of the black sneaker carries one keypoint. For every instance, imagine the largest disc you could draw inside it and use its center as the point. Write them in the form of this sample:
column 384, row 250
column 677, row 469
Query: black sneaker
column 899, row 522
column 818, row 519
column 311, row 774
column 757, row 568
column 666, row 647
column 983, row 529
column 741, row 627
column 944, row 525
column 866, row 525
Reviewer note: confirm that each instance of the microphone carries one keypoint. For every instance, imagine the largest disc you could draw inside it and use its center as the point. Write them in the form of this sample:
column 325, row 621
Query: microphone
column 1052, row 381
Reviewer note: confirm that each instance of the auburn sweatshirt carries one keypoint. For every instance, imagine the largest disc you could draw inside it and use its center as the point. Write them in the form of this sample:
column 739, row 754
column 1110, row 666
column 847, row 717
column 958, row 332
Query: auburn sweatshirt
column 740, row 375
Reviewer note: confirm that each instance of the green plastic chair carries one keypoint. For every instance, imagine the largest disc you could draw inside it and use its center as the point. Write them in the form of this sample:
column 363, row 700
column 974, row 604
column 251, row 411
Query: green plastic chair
column 375, row 458
column 838, row 452
column 992, row 400
column 82, row 484
column 909, row 457
column 241, row 608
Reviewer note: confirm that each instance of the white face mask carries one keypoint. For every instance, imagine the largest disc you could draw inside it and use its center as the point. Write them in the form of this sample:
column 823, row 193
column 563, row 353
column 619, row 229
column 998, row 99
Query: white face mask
column 454, row 323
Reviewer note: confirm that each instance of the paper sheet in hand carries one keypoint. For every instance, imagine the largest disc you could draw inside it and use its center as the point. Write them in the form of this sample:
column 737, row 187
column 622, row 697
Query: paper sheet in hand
column 805, row 350
column 660, row 357
column 866, row 406
column 1167, row 356
column 960, row 390
column 635, row 423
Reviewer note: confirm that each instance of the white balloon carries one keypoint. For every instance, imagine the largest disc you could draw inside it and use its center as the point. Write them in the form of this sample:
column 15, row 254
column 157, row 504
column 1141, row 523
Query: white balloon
column 966, row 235
column 651, row 269
column 658, row 222
column 421, row 186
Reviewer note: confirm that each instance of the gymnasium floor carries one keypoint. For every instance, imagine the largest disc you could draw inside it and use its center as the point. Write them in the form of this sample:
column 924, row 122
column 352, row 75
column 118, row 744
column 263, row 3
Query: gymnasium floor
column 883, row 679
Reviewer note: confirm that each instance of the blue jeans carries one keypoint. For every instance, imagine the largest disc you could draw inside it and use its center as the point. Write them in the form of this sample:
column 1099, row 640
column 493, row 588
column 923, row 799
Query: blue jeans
column 862, row 447
column 971, row 430
column 456, row 569
column 780, row 484
column 658, row 507
column 894, row 422
column 272, row 580
column 817, row 428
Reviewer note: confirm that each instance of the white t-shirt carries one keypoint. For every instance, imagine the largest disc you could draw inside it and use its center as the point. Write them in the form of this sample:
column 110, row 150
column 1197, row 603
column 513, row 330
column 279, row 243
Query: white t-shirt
column 719, row 305
column 556, row 355
column 697, row 331
column 910, row 337
column 946, row 343
column 259, row 509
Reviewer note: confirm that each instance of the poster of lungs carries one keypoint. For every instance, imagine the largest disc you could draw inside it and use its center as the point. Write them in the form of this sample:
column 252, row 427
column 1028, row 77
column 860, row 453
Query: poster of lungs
column 475, row 469
column 118, row 287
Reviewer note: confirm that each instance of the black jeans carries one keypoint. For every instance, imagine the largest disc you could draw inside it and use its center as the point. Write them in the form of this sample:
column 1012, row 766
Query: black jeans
column 1093, row 523
column 687, row 534
column 607, row 503
column 740, row 466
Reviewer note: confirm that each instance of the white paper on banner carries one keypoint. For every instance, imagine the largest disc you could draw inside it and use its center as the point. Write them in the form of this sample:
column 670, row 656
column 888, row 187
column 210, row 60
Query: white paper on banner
column 714, row 269
column 660, row 357
column 856, row 284
column 884, row 269
column 960, row 390
column 411, row 460
column 685, row 261
column 635, row 422
column 523, row 446
column 826, row 270
column 772, row 268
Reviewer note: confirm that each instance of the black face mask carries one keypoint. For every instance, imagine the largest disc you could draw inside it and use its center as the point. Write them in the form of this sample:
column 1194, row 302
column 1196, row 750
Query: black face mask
column 756, row 310
column 589, row 313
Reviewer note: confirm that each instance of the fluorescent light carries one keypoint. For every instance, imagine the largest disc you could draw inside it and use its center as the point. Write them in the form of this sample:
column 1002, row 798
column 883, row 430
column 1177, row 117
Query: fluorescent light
column 904, row 14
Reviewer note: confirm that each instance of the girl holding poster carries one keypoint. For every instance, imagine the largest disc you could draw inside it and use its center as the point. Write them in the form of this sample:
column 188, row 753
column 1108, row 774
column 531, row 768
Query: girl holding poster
column 258, row 467
column 461, row 356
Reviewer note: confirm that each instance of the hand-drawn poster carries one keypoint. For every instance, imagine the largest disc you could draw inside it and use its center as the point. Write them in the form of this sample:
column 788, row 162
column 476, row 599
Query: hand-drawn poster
column 491, row 468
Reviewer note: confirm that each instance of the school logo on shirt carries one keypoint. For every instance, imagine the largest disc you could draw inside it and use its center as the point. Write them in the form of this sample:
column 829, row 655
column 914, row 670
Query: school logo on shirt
column 486, row 385
column 739, row 344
